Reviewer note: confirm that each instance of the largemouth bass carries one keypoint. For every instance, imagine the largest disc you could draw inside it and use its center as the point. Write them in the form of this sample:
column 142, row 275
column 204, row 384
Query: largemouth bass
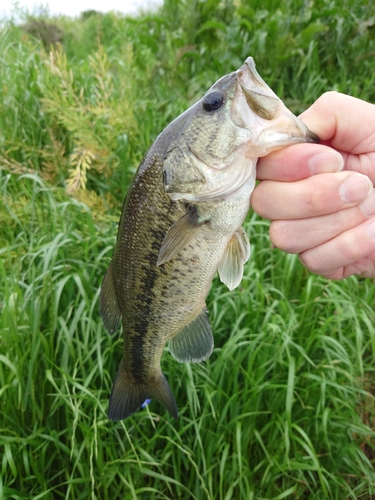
column 180, row 223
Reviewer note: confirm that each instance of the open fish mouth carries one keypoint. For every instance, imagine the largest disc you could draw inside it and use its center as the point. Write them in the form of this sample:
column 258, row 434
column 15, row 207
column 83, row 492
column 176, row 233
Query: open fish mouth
column 284, row 125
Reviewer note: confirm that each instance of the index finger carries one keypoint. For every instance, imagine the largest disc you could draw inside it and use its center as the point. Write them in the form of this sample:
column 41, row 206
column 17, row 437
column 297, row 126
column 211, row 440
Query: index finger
column 298, row 162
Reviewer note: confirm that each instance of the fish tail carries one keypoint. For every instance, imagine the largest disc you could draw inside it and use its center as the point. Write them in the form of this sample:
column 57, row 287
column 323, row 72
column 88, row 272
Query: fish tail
column 127, row 396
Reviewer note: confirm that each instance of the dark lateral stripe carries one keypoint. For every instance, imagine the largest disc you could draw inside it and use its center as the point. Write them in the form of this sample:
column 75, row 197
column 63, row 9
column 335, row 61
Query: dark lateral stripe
column 145, row 298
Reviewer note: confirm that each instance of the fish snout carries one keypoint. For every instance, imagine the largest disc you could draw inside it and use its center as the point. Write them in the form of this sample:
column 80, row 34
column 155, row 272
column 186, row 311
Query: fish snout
column 310, row 136
column 286, row 129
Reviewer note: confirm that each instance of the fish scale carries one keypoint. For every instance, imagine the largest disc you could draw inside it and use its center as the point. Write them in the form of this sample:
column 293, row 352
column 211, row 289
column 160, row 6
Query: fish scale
column 181, row 223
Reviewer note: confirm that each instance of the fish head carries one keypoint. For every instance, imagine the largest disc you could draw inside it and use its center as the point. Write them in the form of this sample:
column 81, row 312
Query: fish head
column 220, row 138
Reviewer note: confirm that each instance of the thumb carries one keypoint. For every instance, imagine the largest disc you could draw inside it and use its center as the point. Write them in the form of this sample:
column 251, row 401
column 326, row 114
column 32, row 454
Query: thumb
column 343, row 122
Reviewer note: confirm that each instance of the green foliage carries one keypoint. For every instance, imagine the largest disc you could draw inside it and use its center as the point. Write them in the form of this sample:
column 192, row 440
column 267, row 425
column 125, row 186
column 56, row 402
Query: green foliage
column 48, row 33
column 285, row 406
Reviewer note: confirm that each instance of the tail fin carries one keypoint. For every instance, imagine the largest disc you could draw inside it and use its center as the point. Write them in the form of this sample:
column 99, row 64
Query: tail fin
column 127, row 397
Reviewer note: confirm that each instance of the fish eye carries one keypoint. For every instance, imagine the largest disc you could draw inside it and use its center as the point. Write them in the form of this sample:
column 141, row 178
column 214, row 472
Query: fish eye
column 213, row 101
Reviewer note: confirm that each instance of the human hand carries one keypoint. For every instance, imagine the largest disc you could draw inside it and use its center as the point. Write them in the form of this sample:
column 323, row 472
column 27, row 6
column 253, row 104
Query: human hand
column 320, row 197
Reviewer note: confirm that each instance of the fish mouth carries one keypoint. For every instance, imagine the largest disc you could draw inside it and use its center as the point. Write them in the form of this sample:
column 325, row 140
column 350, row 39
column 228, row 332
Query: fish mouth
column 311, row 136
column 266, row 105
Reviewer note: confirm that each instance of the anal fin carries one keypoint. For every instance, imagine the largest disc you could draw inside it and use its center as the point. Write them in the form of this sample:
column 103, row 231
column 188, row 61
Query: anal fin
column 108, row 306
column 232, row 263
column 194, row 342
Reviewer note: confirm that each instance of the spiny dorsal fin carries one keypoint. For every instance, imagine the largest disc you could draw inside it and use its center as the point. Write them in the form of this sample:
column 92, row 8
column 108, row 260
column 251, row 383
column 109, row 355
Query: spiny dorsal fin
column 179, row 235
column 232, row 263
column 127, row 397
column 194, row 342
column 109, row 310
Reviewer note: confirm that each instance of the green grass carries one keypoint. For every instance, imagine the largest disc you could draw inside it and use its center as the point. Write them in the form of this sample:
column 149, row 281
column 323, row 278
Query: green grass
column 284, row 408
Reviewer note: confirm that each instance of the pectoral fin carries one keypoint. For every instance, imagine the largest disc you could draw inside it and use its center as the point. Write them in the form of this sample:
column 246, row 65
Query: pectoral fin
column 179, row 235
column 232, row 264
column 108, row 307
column 195, row 342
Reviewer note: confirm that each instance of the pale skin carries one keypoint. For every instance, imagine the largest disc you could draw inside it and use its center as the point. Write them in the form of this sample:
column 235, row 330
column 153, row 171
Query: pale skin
column 320, row 197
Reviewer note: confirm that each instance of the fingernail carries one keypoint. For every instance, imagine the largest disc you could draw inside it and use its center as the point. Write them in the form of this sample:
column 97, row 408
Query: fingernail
column 329, row 161
column 368, row 205
column 371, row 229
column 356, row 188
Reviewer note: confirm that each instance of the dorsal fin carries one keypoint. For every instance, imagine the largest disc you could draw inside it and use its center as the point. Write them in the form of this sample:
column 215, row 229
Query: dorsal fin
column 108, row 306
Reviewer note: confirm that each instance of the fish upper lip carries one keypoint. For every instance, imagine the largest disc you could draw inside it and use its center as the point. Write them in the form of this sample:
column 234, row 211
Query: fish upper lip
column 312, row 136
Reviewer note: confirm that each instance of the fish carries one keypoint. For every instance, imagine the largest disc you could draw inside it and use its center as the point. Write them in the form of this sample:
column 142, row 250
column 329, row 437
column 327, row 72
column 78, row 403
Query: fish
column 181, row 222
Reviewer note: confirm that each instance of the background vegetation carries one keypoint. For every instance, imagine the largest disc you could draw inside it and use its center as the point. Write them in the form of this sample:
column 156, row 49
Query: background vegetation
column 284, row 408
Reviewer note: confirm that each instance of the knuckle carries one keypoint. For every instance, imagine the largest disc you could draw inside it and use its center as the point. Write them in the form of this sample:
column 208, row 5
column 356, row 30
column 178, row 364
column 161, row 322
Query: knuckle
column 282, row 236
column 311, row 261
column 327, row 98
column 260, row 201
column 315, row 201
